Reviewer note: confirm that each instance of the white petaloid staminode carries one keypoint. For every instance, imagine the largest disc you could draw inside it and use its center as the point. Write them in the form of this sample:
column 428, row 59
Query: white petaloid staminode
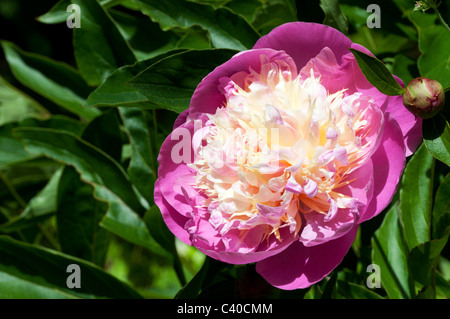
column 280, row 147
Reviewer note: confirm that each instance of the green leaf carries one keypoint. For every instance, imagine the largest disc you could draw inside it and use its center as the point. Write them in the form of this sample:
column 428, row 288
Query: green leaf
column 273, row 13
column 441, row 209
column 334, row 16
column 351, row 290
column 110, row 182
column 55, row 81
column 57, row 14
column 99, row 46
column 171, row 82
column 16, row 105
column 377, row 74
column 226, row 29
column 78, row 215
column 204, row 278
column 436, row 136
column 329, row 291
column 136, row 30
column 115, row 91
column 416, row 197
column 246, row 8
column 124, row 222
column 424, row 258
column 164, row 237
column 442, row 286
column 158, row 228
column 28, row 271
column 405, row 68
column 142, row 167
column 434, row 44
column 40, row 207
column 12, row 151
column 389, row 252
column 95, row 166
column 104, row 133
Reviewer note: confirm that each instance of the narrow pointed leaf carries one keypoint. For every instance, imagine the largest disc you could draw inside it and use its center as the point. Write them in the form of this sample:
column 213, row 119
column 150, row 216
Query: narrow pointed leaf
column 42, row 273
column 416, row 197
column 390, row 253
column 377, row 74
column 55, row 81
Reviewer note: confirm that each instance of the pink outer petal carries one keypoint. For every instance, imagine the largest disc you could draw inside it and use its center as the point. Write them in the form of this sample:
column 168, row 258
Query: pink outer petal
column 388, row 164
column 174, row 205
column 303, row 41
column 410, row 125
column 299, row 266
column 181, row 119
column 207, row 96
column 362, row 187
column 245, row 258
column 174, row 221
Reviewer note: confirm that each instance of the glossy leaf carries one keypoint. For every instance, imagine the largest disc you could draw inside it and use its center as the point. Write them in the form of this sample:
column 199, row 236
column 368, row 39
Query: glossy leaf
column 124, row 222
column 95, row 166
column 161, row 233
column 42, row 273
column 40, row 207
column 171, row 82
column 55, row 81
column 273, row 13
column 391, row 255
column 99, row 46
column 78, row 215
column 57, row 14
column 441, row 209
column 142, row 167
column 424, row 258
column 115, row 91
column 436, row 136
column 110, row 182
column 226, row 29
column 334, row 16
column 377, row 74
column 350, row 290
column 15, row 105
column 416, row 210
column 434, row 44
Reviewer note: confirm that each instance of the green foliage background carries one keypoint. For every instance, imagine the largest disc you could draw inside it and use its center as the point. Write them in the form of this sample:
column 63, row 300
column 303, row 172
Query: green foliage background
column 83, row 113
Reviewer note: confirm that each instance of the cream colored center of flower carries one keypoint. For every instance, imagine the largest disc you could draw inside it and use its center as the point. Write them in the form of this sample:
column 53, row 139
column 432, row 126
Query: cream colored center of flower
column 280, row 147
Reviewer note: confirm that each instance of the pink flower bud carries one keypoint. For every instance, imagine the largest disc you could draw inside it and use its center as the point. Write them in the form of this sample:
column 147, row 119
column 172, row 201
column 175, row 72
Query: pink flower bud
column 424, row 97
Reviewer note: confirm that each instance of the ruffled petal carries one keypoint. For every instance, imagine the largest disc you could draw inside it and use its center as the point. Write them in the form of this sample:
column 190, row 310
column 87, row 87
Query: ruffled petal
column 388, row 164
column 304, row 41
column 210, row 93
column 410, row 125
column 299, row 267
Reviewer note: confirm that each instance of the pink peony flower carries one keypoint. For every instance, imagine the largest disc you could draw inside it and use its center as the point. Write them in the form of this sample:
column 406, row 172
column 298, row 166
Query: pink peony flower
column 284, row 151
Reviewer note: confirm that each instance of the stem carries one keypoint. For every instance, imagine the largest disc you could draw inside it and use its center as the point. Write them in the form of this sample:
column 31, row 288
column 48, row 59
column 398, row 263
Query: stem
column 435, row 8
column 12, row 190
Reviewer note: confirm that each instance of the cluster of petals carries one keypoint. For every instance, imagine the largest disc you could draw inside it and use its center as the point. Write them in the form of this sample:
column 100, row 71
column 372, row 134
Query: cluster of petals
column 289, row 150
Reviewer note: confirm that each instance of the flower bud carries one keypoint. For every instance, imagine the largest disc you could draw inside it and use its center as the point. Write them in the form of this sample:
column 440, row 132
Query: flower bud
column 424, row 97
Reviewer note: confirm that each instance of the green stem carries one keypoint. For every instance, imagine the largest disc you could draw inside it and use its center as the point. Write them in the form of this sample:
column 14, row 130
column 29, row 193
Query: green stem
column 435, row 8
column 12, row 190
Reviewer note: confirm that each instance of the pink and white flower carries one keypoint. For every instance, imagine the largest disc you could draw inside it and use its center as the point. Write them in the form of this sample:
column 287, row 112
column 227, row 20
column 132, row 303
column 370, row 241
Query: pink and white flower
column 290, row 150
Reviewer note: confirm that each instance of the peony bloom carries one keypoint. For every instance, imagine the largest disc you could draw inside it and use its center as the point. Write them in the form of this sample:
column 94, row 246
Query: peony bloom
column 285, row 149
